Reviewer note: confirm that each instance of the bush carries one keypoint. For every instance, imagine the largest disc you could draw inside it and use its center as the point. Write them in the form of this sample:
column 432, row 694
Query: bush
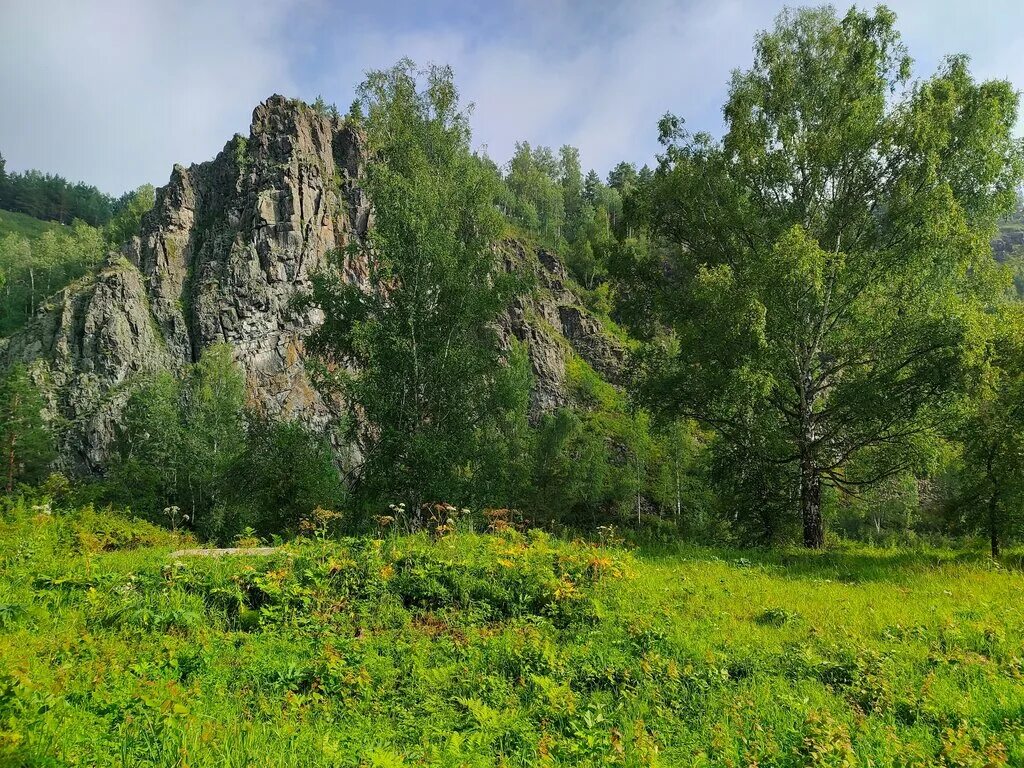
column 190, row 444
column 483, row 578
column 283, row 474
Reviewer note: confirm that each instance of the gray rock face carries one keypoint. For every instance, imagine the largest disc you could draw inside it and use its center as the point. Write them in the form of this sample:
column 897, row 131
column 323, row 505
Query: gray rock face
column 227, row 247
column 232, row 242
column 85, row 346
column 1006, row 242
column 554, row 325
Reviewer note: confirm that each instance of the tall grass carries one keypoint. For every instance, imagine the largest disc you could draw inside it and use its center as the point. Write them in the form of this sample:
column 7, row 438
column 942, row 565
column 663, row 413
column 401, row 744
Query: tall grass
column 498, row 650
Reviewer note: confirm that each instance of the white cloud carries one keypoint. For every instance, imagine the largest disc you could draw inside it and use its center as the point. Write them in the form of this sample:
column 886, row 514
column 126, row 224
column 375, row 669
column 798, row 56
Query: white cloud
column 116, row 91
column 598, row 77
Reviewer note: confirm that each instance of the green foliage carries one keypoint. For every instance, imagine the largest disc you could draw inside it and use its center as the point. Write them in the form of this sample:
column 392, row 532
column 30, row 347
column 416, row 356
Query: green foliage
column 324, row 109
column 241, row 148
column 128, row 213
column 887, row 512
column 536, row 198
column 824, row 329
column 26, row 441
column 992, row 435
column 570, row 175
column 490, row 650
column 179, row 439
column 586, row 457
column 429, row 379
column 38, row 258
column 213, row 424
column 828, row 266
column 678, row 483
column 190, row 452
column 24, row 225
column 53, row 198
column 150, row 453
column 549, row 200
column 603, row 463
column 282, row 474
column 501, row 472
column 37, row 266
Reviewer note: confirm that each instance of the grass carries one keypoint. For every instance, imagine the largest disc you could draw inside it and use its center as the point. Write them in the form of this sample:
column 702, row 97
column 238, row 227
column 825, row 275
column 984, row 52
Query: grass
column 24, row 225
column 498, row 650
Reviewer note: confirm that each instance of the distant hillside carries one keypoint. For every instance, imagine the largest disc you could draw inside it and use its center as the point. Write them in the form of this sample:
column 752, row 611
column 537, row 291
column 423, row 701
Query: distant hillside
column 39, row 258
column 54, row 198
column 13, row 223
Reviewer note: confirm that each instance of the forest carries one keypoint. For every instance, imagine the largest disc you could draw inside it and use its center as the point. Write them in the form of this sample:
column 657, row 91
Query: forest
column 783, row 530
column 816, row 331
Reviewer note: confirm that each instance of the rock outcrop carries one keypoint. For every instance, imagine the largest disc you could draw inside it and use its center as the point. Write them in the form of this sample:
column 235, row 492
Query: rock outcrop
column 1009, row 240
column 554, row 325
column 87, row 346
column 227, row 247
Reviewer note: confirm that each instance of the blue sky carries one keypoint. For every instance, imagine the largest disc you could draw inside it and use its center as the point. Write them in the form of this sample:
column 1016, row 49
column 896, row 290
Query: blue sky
column 115, row 92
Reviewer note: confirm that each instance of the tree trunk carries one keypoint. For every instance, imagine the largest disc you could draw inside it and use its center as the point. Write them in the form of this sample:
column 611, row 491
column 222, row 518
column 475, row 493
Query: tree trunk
column 993, row 524
column 679, row 496
column 810, row 505
column 807, row 449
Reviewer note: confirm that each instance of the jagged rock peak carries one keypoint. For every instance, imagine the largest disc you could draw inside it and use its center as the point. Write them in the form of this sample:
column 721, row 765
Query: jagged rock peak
column 226, row 248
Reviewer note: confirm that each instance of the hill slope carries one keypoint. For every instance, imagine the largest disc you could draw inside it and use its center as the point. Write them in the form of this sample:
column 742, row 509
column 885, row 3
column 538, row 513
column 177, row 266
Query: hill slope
column 14, row 223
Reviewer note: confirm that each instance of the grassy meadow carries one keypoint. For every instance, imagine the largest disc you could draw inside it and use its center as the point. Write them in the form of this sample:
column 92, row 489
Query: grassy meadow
column 14, row 223
column 499, row 649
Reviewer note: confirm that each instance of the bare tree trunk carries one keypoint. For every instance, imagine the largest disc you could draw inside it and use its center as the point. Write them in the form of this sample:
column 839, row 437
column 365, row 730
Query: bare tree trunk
column 993, row 523
column 810, row 474
column 810, row 505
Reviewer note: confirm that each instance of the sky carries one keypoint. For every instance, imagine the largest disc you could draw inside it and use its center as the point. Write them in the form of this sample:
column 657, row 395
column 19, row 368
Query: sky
column 114, row 92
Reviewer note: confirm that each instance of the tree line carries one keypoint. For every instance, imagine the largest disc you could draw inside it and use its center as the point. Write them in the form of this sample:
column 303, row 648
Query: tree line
column 53, row 198
column 812, row 296
column 818, row 336
column 34, row 268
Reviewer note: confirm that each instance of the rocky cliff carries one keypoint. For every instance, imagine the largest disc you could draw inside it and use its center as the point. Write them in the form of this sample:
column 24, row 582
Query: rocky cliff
column 220, row 257
column 1010, row 240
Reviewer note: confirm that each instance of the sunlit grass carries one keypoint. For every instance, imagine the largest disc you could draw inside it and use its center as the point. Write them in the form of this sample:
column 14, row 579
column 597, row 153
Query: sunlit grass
column 483, row 650
column 12, row 222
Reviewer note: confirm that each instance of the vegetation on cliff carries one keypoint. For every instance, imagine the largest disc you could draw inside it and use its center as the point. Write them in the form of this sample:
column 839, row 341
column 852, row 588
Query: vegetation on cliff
column 38, row 258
